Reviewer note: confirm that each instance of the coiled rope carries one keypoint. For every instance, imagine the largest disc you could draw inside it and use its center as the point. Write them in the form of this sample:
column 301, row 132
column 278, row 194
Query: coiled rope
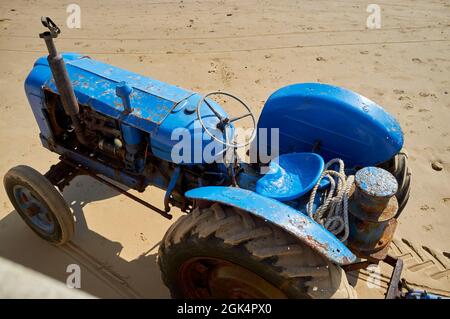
column 333, row 213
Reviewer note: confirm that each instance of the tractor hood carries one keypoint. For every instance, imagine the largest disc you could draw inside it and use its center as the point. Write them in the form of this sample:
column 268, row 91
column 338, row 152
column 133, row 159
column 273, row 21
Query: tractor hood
column 157, row 108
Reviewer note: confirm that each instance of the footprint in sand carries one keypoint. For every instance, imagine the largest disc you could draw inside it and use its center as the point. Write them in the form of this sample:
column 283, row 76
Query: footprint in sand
column 426, row 208
column 142, row 236
column 425, row 94
column 408, row 106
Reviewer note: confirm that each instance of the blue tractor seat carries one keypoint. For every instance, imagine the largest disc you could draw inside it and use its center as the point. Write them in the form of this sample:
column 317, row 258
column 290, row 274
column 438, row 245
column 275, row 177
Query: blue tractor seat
column 291, row 176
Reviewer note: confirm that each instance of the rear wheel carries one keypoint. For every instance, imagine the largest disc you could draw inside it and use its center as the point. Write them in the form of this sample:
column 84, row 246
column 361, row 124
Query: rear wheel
column 223, row 252
column 39, row 204
column 398, row 166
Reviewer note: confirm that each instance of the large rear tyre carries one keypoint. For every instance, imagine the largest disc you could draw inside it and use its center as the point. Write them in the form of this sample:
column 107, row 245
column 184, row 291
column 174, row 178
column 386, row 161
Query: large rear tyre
column 223, row 252
column 398, row 166
column 39, row 204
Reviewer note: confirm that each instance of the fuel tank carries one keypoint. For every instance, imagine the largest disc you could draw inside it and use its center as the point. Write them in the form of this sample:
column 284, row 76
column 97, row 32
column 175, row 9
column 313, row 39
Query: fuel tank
column 156, row 108
column 332, row 121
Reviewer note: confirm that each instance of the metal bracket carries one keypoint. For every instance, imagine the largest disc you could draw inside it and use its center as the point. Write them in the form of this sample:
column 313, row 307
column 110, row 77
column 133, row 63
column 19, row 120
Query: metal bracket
column 54, row 30
column 170, row 187
column 393, row 290
column 65, row 171
column 394, row 284
column 61, row 174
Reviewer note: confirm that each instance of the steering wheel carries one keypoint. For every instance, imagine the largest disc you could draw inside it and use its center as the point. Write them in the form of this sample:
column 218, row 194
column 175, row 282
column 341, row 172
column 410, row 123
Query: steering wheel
column 224, row 122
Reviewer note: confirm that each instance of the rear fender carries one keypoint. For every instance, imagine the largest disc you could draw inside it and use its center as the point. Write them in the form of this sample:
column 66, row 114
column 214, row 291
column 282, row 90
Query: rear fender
column 281, row 215
column 334, row 121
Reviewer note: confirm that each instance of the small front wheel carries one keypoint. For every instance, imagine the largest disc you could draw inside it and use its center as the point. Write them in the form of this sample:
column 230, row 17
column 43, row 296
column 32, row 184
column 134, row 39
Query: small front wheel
column 39, row 204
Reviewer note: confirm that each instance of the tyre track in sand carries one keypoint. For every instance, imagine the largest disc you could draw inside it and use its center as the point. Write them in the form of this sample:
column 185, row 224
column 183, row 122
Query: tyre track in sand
column 424, row 268
column 98, row 269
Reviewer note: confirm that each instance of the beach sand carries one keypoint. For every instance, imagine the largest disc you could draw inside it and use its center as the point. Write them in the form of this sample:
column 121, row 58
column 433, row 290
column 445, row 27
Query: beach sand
column 249, row 48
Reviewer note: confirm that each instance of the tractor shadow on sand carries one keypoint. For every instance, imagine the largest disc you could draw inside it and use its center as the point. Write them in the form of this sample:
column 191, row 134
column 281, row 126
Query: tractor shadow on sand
column 104, row 273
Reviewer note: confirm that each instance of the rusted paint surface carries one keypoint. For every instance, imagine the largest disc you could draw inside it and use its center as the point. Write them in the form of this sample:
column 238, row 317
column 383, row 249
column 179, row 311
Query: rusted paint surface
column 376, row 182
column 281, row 215
column 372, row 209
column 95, row 84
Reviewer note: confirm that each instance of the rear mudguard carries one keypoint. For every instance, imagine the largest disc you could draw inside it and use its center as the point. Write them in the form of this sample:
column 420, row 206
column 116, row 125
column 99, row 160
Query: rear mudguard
column 333, row 121
column 281, row 215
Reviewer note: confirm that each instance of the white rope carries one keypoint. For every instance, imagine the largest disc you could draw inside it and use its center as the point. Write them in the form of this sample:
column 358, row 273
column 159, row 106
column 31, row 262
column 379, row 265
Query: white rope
column 333, row 213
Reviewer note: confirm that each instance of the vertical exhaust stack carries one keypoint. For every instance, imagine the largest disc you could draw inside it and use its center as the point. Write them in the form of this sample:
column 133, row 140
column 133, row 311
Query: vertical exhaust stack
column 62, row 80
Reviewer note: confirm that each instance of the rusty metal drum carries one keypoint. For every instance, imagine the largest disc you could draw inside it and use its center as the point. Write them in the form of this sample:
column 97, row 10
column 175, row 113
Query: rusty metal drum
column 372, row 208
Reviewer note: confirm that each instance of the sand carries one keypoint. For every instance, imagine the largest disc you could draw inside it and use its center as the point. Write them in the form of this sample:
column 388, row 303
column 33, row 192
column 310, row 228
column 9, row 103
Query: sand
column 249, row 48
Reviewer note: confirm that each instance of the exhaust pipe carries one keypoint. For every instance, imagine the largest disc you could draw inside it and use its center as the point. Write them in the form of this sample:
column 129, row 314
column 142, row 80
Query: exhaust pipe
column 62, row 80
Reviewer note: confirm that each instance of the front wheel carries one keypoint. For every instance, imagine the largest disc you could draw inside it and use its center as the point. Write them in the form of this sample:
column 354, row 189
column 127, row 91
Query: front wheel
column 223, row 252
column 39, row 204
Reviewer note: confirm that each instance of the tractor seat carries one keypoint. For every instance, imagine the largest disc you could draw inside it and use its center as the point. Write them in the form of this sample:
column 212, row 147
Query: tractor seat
column 290, row 176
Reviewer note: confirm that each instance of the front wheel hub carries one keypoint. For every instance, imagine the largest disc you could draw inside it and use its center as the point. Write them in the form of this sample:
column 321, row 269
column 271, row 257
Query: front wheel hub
column 36, row 211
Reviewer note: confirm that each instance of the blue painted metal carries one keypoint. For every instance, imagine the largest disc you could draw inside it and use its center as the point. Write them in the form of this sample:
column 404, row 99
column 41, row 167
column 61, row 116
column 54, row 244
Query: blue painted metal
column 377, row 182
column 346, row 124
column 184, row 121
column 281, row 215
column 422, row 294
column 33, row 89
column 290, row 176
column 95, row 85
column 133, row 138
column 123, row 90
column 152, row 102
column 137, row 182
column 372, row 208
column 171, row 187
column 36, row 211
column 131, row 135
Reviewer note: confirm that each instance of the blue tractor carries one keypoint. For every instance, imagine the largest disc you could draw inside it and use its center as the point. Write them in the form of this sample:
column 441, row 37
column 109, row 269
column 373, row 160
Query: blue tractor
column 290, row 226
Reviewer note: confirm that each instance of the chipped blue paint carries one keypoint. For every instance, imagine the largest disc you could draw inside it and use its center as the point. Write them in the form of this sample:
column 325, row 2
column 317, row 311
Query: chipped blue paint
column 346, row 125
column 94, row 88
column 291, row 220
column 157, row 108
column 290, row 176
column 96, row 69
column 376, row 181
column 95, row 85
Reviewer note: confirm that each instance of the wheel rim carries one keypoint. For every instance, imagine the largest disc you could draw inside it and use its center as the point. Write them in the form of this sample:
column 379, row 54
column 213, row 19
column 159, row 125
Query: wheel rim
column 37, row 212
column 206, row 277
